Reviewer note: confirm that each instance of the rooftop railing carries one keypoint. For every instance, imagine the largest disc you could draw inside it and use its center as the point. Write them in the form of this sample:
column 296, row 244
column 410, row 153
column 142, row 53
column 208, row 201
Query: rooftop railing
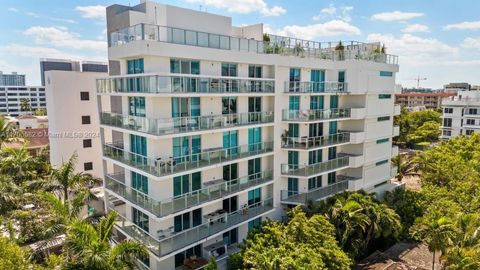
column 272, row 44
column 168, row 166
column 175, row 204
column 175, row 125
column 162, row 245
column 315, row 87
column 183, row 84
column 314, row 169
column 314, row 142
column 295, row 197
column 315, row 115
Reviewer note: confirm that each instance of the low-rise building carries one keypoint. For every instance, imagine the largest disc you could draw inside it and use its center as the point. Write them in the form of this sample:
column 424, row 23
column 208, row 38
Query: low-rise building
column 461, row 114
column 431, row 100
column 28, row 121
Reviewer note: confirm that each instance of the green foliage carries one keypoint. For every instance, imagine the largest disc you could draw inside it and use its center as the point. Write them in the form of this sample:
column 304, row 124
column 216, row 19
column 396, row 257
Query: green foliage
column 12, row 256
column 302, row 243
column 407, row 204
column 212, row 264
column 418, row 127
column 406, row 165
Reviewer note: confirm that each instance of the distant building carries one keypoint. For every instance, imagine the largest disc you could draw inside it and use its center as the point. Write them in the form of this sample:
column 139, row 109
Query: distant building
column 74, row 120
column 34, row 139
column 13, row 79
column 461, row 114
column 69, row 65
column 455, row 87
column 12, row 97
column 28, row 121
column 427, row 100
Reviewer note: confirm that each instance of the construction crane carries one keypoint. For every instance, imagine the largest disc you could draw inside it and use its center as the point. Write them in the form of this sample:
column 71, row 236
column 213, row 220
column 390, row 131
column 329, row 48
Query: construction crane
column 418, row 79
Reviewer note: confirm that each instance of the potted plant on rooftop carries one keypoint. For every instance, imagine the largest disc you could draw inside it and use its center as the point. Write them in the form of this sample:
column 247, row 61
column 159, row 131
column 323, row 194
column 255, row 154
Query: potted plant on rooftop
column 298, row 50
column 340, row 51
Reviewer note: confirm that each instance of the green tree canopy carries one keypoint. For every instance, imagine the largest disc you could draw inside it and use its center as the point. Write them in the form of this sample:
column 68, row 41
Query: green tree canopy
column 416, row 127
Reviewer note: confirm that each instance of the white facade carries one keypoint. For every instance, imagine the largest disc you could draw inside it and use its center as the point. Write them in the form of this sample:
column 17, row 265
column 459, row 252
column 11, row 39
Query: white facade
column 169, row 129
column 11, row 98
column 461, row 114
column 73, row 119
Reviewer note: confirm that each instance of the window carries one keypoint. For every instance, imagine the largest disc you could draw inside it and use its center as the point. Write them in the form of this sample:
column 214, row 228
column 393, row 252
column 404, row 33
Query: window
column 447, row 133
column 138, row 145
column 84, row 96
column 136, row 106
column 292, row 186
column 181, row 256
column 254, row 196
column 255, row 224
column 229, row 69
column 447, row 122
column 294, row 103
column 314, row 157
column 140, row 219
column 386, row 73
column 384, row 96
column 468, row 132
column 383, row 140
column 448, row 110
column 472, row 111
column 185, row 66
column 381, row 162
column 293, row 130
column 383, row 118
column 85, row 119
column 229, row 105
column 333, row 102
column 294, row 79
column 254, row 71
column 332, row 178
column 186, row 183
column 471, row 122
column 88, row 166
column 139, row 182
column 135, row 66
column 314, row 182
column 187, row 220
column 87, row 143
column 316, row 102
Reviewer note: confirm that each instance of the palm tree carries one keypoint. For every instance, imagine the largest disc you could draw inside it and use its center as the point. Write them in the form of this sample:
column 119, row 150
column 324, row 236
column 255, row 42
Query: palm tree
column 406, row 164
column 67, row 180
column 88, row 247
column 18, row 163
column 435, row 230
column 25, row 105
column 6, row 131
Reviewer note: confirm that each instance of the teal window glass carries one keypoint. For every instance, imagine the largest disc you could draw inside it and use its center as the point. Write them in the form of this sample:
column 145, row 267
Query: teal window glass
column 381, row 162
column 139, row 182
column 181, row 149
column 341, row 76
column 254, row 107
column 314, row 156
column 317, row 77
column 254, row 139
column 384, row 96
column 386, row 73
column 332, row 153
column 293, row 158
column 230, row 237
column 138, row 145
column 383, row 118
column 181, row 256
column 292, row 186
column 181, row 185
column 314, row 182
column 185, row 66
column 333, row 127
column 254, row 196
column 230, row 171
column 294, row 103
column 332, row 178
column 187, row 220
column 293, row 130
column 379, row 141
column 315, row 130
column 230, row 141
column 140, row 219
column 229, row 69
column 294, row 75
column 254, row 167
column 254, row 71
column 135, row 66
column 229, row 105
column 183, row 107
column 255, row 224
column 316, row 102
column 333, row 102
column 196, row 147
column 136, row 106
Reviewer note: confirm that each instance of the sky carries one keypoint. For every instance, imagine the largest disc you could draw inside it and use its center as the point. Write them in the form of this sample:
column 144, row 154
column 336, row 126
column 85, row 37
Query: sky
column 436, row 40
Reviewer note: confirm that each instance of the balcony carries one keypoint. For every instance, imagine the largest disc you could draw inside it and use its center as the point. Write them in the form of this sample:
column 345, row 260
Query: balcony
column 352, row 50
column 396, row 110
column 315, row 87
column 296, row 198
column 315, row 115
column 161, row 208
column 354, row 160
column 183, row 84
column 307, row 143
column 314, row 169
column 164, row 245
column 396, row 131
column 160, row 168
column 166, row 126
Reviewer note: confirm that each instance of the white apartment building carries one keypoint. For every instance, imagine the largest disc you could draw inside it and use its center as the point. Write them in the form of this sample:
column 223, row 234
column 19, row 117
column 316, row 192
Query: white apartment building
column 11, row 98
column 461, row 114
column 73, row 119
column 207, row 129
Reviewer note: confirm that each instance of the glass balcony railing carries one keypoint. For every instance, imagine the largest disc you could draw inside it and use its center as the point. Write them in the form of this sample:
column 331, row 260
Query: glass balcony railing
column 314, row 142
column 309, row 170
column 315, row 87
column 160, row 167
column 315, row 115
column 272, row 44
column 183, row 84
column 162, row 244
column 172, row 205
column 164, row 126
column 294, row 197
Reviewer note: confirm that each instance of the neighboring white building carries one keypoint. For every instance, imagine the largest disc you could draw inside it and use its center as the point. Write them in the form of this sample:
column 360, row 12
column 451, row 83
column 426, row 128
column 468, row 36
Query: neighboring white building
column 73, row 119
column 11, row 98
column 28, row 121
column 208, row 131
column 461, row 114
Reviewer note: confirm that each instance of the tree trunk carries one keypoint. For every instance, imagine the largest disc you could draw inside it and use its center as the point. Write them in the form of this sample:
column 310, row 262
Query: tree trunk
column 65, row 194
column 433, row 261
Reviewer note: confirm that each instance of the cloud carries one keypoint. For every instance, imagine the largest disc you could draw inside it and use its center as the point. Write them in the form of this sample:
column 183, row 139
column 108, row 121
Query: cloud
column 395, row 16
column 38, row 16
column 92, row 12
column 12, row 9
column 62, row 38
column 37, row 52
column 471, row 43
column 331, row 12
column 413, row 28
column 464, row 26
column 330, row 28
column 243, row 6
